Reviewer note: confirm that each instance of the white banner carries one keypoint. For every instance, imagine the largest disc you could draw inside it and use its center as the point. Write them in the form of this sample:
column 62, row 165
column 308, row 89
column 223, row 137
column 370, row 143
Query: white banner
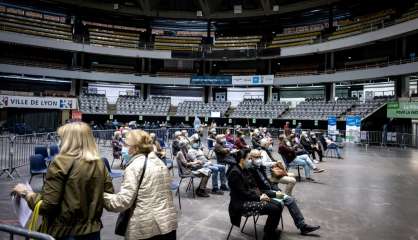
column 38, row 102
column 253, row 80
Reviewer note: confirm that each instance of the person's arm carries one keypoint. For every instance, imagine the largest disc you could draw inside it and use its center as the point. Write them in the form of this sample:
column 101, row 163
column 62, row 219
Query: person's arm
column 108, row 184
column 266, row 161
column 53, row 188
column 236, row 185
column 126, row 196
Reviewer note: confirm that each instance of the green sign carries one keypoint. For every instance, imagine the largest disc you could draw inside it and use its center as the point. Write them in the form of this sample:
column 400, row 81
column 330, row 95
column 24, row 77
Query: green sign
column 294, row 122
column 187, row 118
column 206, row 119
column 230, row 120
column 271, row 121
column 168, row 118
column 140, row 118
column 402, row 109
column 316, row 122
column 111, row 116
column 254, row 120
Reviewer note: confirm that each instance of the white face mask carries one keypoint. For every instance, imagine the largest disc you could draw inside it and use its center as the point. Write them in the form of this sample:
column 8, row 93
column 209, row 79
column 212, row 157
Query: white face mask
column 257, row 162
column 288, row 144
column 248, row 163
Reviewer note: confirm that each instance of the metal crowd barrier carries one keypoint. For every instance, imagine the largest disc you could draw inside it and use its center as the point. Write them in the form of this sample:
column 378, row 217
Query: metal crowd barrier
column 13, row 231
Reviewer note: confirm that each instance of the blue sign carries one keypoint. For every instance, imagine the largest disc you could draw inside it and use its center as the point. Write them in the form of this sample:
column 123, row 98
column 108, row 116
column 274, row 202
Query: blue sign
column 211, row 80
column 350, row 120
column 256, row 80
column 332, row 123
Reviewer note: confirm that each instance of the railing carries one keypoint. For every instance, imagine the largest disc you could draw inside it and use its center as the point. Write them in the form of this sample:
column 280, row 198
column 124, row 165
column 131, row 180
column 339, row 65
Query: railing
column 13, row 231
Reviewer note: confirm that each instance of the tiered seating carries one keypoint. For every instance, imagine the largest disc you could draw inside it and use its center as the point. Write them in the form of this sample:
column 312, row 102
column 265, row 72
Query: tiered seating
column 363, row 109
column 183, row 43
column 32, row 23
column 293, row 39
column 411, row 14
column 364, row 24
column 135, row 105
column 319, row 110
column 255, row 108
column 236, row 43
column 247, row 71
column 201, row 109
column 113, row 35
column 93, row 103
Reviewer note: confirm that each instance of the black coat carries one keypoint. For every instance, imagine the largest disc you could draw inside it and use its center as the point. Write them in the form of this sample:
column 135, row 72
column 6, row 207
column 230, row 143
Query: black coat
column 262, row 181
column 242, row 189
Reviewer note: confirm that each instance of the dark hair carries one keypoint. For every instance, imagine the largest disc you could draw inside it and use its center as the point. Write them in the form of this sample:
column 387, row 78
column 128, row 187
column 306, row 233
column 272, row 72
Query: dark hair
column 242, row 154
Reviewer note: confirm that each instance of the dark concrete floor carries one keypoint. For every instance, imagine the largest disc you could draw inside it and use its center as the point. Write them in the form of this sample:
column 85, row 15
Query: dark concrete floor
column 370, row 195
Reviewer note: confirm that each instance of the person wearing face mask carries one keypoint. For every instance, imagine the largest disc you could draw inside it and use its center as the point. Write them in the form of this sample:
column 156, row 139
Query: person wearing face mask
column 255, row 139
column 247, row 198
column 276, row 171
column 265, row 133
column 229, row 137
column 291, row 159
column 223, row 153
column 195, row 138
column 240, row 141
column 195, row 153
column 266, row 187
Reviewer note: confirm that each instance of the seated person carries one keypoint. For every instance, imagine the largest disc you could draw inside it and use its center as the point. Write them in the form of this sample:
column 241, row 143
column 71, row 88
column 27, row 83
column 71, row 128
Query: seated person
column 117, row 145
column 255, row 138
column 159, row 151
column 195, row 167
column 292, row 159
column 185, row 136
column 196, row 153
column 276, row 172
column 240, row 142
column 310, row 147
column 223, row 154
column 195, row 138
column 265, row 133
column 316, row 146
column 229, row 137
column 273, row 192
column 175, row 146
column 331, row 145
column 212, row 134
column 246, row 198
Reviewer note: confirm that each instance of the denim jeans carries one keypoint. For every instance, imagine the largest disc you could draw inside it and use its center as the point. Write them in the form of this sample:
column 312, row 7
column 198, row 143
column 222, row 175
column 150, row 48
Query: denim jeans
column 217, row 169
column 294, row 211
column 305, row 162
column 90, row 236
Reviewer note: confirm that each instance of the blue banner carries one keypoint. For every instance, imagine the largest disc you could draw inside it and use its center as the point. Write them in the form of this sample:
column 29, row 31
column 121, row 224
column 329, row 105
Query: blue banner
column 332, row 123
column 211, row 80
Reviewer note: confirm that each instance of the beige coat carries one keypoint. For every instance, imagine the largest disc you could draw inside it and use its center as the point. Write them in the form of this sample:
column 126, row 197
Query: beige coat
column 154, row 212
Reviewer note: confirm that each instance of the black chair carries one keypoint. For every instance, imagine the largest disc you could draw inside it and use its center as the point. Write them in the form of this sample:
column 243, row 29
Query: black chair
column 114, row 173
column 255, row 219
column 182, row 176
column 37, row 165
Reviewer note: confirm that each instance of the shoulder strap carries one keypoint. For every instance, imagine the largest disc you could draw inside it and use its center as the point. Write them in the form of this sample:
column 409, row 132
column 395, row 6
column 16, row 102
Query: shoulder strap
column 143, row 173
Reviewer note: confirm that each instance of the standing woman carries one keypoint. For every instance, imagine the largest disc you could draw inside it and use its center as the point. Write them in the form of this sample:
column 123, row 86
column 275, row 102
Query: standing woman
column 72, row 196
column 154, row 215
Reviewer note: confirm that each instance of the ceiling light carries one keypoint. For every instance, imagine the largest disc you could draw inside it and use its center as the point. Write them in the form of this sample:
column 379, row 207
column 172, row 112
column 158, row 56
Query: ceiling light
column 199, row 13
column 275, row 8
column 237, row 9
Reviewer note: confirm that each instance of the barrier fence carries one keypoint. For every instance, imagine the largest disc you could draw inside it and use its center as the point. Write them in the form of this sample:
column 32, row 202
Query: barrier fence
column 22, row 233
column 15, row 151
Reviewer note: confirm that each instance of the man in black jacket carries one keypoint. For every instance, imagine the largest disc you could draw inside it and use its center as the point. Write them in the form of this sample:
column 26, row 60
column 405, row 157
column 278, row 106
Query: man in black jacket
column 271, row 190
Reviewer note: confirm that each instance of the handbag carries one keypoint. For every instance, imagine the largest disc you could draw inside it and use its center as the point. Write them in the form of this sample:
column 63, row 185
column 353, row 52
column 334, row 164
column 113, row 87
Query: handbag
column 123, row 218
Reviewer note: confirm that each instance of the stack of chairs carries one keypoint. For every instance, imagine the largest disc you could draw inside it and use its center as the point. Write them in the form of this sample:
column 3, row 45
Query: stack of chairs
column 93, row 103
column 255, row 108
column 293, row 39
column 319, row 110
column 135, row 105
column 201, row 109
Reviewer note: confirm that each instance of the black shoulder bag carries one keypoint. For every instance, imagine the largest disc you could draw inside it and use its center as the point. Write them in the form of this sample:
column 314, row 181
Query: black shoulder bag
column 123, row 218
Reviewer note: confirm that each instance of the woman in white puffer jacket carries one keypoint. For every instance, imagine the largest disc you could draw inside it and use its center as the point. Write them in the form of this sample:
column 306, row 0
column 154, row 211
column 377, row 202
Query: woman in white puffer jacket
column 154, row 215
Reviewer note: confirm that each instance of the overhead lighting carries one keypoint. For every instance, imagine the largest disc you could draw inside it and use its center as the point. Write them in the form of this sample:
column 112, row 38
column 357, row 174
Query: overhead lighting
column 116, row 6
column 199, row 13
column 275, row 8
column 237, row 9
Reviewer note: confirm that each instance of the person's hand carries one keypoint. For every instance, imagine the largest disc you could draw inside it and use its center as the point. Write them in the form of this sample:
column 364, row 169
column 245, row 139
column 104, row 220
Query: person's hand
column 19, row 189
column 264, row 198
column 280, row 195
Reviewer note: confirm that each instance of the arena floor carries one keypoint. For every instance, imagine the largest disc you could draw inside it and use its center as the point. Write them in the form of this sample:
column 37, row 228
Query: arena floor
column 370, row 195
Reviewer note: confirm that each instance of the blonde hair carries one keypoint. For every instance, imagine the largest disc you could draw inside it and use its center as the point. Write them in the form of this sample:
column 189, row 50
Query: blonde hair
column 139, row 142
column 255, row 153
column 264, row 142
column 77, row 141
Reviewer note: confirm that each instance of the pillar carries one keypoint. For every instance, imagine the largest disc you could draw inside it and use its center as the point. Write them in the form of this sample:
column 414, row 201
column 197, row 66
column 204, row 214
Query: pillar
column 331, row 61
column 142, row 90
column 73, row 87
column 330, row 91
column 402, row 87
column 414, row 132
column 270, row 94
column 148, row 91
column 210, row 94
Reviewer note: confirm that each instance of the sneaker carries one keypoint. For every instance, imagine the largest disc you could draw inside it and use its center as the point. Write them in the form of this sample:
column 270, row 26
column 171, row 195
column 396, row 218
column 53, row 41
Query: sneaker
column 201, row 193
column 224, row 188
column 316, row 161
column 308, row 229
column 318, row 170
column 310, row 179
column 217, row 192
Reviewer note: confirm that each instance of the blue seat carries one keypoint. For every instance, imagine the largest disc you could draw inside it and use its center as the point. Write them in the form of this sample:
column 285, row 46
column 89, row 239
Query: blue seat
column 37, row 164
column 42, row 150
column 53, row 150
column 114, row 173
